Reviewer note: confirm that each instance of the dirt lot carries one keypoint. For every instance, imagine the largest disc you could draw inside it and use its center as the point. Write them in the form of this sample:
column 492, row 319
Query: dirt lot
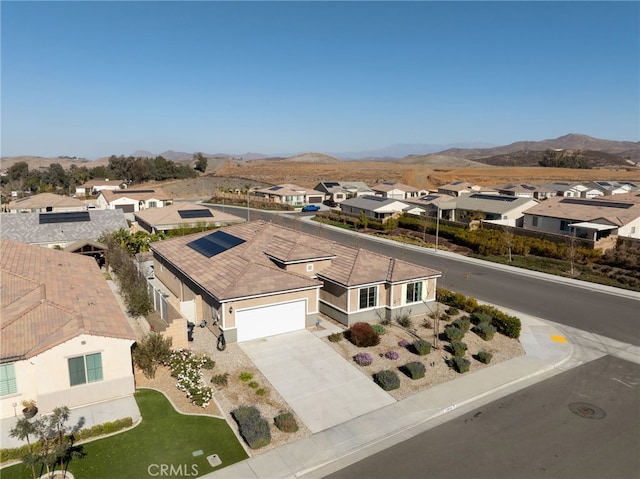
column 308, row 175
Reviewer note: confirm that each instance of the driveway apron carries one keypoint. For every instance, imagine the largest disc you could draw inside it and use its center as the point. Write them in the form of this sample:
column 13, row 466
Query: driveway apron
column 320, row 386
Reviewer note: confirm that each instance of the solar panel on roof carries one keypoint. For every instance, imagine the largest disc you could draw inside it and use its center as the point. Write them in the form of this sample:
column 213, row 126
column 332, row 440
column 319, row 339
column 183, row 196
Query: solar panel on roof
column 605, row 204
column 457, row 183
column 66, row 217
column 331, row 184
column 376, row 198
column 215, row 243
column 123, row 192
column 275, row 188
column 480, row 196
column 202, row 213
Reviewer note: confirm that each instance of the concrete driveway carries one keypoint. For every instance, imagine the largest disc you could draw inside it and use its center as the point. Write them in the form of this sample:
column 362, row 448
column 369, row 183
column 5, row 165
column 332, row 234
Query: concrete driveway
column 322, row 388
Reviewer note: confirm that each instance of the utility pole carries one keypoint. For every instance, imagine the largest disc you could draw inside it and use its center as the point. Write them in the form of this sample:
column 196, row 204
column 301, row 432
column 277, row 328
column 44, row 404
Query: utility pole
column 437, row 224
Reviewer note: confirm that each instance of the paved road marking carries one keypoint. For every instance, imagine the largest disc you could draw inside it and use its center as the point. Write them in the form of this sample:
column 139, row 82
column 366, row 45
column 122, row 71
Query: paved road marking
column 559, row 339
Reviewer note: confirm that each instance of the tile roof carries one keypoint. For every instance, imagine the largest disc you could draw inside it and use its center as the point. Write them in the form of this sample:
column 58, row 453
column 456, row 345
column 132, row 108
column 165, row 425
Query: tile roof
column 379, row 204
column 49, row 297
column 169, row 215
column 615, row 211
column 499, row 204
column 133, row 194
column 43, row 200
column 26, row 227
column 247, row 270
column 288, row 189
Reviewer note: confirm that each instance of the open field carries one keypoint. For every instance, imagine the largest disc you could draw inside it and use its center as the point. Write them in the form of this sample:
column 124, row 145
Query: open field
column 310, row 174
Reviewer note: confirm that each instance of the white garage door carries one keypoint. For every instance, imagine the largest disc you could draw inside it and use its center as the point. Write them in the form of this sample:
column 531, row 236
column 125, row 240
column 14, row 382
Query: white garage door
column 269, row 320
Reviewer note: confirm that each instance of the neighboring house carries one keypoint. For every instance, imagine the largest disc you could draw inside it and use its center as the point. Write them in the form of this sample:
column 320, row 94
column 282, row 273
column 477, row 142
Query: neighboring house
column 183, row 215
column 613, row 187
column 526, row 191
column 131, row 201
column 397, row 191
column 436, row 205
column 259, row 279
column 60, row 229
column 65, row 340
column 93, row 187
column 339, row 191
column 501, row 209
column 591, row 219
column 459, row 188
column 289, row 194
column 568, row 190
column 45, row 202
column 379, row 208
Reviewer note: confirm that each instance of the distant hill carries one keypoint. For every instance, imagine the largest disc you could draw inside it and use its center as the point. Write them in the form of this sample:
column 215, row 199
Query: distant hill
column 573, row 141
column 439, row 159
column 595, row 159
column 312, row 158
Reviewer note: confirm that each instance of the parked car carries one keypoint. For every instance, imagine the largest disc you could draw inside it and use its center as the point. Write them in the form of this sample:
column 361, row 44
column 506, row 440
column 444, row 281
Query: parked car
column 330, row 203
column 310, row 208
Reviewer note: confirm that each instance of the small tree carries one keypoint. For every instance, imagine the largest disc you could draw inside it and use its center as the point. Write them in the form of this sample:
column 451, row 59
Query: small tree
column 23, row 430
column 150, row 352
column 201, row 162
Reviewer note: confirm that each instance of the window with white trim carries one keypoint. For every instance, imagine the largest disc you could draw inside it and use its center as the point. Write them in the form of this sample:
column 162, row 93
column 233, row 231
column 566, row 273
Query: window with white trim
column 414, row 292
column 85, row 369
column 368, row 297
column 7, row 380
column 309, row 267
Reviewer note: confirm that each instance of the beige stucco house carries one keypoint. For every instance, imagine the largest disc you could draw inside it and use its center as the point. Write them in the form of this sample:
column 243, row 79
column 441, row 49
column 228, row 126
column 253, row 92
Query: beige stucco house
column 65, row 341
column 258, row 279
column 290, row 194
column 131, row 201
column 183, row 215
column 45, row 202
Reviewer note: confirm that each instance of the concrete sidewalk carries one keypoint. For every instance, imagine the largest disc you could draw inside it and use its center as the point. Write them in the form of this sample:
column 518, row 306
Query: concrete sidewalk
column 331, row 449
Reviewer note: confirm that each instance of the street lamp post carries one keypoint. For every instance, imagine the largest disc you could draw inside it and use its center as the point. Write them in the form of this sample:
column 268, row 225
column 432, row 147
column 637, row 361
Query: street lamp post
column 437, row 224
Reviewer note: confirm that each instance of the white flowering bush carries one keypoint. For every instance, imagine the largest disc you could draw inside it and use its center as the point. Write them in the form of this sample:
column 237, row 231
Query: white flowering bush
column 186, row 368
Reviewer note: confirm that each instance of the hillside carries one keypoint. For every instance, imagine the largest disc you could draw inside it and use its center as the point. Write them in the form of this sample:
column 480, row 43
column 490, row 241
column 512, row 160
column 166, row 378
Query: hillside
column 595, row 159
column 443, row 160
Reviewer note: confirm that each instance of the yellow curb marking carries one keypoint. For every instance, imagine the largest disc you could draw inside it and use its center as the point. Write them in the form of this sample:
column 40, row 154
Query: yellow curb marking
column 559, row 339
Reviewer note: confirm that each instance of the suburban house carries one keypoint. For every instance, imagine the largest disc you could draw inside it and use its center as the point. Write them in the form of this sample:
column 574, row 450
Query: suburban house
column 459, row 188
column 526, row 191
column 259, row 279
column 499, row 209
column 93, row 187
column 44, row 202
column 591, row 219
column 289, row 194
column 569, row 190
column 59, row 230
column 397, row 191
column 183, row 215
column 131, row 201
column 379, row 208
column 339, row 191
column 613, row 187
column 65, row 341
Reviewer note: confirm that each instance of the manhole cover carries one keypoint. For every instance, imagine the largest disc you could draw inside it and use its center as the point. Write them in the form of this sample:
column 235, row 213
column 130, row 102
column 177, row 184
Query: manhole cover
column 587, row 410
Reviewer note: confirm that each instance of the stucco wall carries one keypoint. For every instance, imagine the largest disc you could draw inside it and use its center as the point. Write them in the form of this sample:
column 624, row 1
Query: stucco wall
column 45, row 377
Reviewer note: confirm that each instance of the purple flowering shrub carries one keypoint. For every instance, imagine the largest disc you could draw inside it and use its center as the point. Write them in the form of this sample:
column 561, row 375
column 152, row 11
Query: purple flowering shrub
column 403, row 344
column 363, row 359
column 391, row 355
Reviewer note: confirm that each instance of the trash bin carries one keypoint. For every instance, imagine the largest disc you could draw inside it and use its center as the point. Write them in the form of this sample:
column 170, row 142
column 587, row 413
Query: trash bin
column 190, row 327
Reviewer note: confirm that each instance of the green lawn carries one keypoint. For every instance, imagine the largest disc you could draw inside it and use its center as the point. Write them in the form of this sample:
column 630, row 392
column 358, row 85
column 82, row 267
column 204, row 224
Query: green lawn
column 164, row 437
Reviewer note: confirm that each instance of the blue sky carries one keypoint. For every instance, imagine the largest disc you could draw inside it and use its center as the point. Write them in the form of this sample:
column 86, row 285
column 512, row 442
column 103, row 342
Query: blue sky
column 92, row 79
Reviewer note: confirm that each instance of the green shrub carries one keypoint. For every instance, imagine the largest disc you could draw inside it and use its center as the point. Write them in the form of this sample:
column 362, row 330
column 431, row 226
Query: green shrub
column 458, row 348
column 379, row 329
column 220, row 379
column 335, row 337
column 405, row 320
column 484, row 356
column 421, row 347
column 485, row 330
column 453, row 333
column 461, row 365
column 253, row 385
column 261, row 392
column 478, row 317
column 252, row 426
column 244, row 377
column 414, row 370
column 363, row 335
column 387, row 380
column 286, row 422
column 456, row 300
column 507, row 325
column 452, row 311
column 463, row 323
column 207, row 362
column 150, row 352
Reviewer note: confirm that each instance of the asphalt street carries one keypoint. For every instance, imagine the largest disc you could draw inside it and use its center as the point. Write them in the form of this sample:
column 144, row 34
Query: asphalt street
column 582, row 423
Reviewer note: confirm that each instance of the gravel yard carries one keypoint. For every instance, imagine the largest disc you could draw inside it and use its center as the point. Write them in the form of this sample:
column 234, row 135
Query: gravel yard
column 237, row 392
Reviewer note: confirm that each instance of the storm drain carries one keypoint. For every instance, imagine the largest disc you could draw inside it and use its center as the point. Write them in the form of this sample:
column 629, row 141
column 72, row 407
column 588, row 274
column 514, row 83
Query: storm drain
column 587, row 410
